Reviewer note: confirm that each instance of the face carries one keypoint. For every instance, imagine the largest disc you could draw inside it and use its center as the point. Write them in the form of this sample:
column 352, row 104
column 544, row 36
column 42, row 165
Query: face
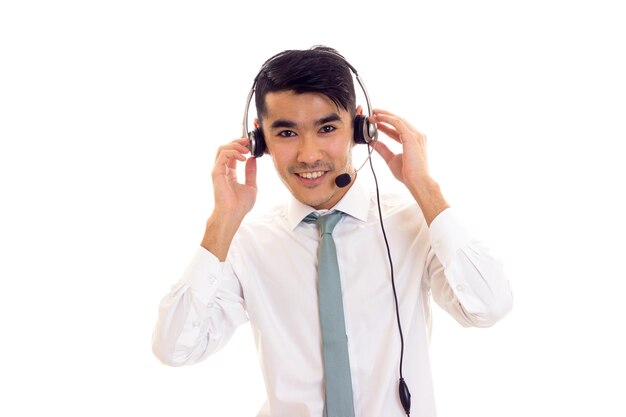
column 310, row 141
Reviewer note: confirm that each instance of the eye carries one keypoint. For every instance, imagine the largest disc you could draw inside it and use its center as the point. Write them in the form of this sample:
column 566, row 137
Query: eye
column 287, row 133
column 328, row 129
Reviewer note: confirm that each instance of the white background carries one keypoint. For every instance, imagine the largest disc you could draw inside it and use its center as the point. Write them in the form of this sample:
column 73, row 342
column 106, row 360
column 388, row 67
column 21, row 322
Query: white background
column 110, row 114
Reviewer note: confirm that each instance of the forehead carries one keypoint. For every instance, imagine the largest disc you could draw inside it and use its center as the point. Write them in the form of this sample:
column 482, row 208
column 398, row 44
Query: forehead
column 302, row 108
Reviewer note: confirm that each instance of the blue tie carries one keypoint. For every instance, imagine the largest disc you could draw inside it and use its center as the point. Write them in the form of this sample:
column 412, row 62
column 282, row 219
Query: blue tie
column 338, row 383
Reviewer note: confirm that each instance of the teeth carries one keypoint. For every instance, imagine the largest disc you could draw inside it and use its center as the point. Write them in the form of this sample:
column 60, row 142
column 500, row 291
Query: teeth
column 311, row 175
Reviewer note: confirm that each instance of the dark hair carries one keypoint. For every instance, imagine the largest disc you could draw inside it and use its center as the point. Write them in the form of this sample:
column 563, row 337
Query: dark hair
column 317, row 70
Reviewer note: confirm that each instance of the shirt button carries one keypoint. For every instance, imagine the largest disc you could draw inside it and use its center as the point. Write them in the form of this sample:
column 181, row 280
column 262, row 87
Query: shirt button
column 196, row 324
column 459, row 288
column 212, row 280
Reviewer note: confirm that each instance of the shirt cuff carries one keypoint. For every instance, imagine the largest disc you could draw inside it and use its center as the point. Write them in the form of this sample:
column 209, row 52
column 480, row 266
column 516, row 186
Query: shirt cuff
column 447, row 236
column 203, row 274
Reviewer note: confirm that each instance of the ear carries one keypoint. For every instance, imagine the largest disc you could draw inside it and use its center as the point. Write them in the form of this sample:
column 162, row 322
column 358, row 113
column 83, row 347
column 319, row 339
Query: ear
column 359, row 110
column 256, row 123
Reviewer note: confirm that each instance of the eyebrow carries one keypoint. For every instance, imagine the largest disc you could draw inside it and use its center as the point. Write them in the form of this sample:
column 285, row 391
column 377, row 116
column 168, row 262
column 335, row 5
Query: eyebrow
column 289, row 124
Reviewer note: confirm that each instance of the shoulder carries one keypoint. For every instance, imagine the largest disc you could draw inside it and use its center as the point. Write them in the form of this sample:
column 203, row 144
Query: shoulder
column 401, row 214
column 262, row 236
column 262, row 223
column 395, row 203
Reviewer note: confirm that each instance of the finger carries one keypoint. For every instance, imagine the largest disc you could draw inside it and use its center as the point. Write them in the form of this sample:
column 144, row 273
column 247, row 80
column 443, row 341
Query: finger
column 230, row 154
column 241, row 146
column 227, row 160
column 384, row 151
column 401, row 119
column 390, row 114
column 235, row 145
column 392, row 133
column 251, row 172
column 394, row 121
column 381, row 111
column 244, row 142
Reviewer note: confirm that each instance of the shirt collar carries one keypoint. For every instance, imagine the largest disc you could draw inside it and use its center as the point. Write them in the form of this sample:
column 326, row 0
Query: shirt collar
column 354, row 203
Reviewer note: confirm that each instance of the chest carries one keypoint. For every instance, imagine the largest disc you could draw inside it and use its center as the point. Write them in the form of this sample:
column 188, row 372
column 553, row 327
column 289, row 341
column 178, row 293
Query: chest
column 279, row 274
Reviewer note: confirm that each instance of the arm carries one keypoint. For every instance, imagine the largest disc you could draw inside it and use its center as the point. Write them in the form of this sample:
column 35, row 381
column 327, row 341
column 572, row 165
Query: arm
column 232, row 199
column 411, row 166
column 465, row 278
column 203, row 309
column 200, row 313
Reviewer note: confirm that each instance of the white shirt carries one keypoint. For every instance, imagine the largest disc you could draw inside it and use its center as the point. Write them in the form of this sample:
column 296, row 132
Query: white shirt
column 270, row 277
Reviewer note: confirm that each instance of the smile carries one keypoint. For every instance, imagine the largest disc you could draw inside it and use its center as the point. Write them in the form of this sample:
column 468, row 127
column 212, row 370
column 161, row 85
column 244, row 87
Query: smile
column 311, row 175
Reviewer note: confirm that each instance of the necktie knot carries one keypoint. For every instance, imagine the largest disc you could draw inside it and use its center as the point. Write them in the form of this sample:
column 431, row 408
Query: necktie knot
column 326, row 224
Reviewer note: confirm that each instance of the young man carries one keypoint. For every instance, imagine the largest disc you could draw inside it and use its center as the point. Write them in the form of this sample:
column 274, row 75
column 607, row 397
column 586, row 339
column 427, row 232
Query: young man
column 266, row 269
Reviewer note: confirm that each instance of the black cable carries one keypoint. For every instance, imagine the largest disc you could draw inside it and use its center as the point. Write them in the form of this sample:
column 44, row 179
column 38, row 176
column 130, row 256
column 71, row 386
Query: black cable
column 403, row 390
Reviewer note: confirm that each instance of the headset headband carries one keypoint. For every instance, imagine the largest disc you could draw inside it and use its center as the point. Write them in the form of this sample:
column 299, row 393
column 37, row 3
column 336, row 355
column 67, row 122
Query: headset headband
column 253, row 89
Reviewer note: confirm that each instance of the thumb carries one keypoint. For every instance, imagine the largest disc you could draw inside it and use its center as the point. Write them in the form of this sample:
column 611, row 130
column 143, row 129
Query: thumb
column 384, row 151
column 251, row 172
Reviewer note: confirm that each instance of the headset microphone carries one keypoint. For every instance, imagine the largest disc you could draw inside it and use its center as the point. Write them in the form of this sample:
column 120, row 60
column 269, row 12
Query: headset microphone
column 343, row 180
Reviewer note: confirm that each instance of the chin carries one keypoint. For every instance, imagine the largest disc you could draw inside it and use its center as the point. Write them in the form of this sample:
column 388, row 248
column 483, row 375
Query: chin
column 319, row 196
column 322, row 200
column 314, row 200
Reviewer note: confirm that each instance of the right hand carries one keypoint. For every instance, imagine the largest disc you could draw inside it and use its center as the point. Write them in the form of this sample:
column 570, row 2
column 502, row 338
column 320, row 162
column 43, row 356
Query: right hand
column 232, row 197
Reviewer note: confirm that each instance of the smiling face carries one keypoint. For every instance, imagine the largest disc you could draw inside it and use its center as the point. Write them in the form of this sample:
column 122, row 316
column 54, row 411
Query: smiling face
column 310, row 141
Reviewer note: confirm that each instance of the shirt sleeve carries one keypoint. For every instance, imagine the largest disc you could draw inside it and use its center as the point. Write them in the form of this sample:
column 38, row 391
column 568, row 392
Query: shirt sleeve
column 465, row 277
column 200, row 313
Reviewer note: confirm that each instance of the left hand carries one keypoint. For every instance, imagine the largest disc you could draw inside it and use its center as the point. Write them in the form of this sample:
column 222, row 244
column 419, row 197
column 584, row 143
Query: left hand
column 411, row 166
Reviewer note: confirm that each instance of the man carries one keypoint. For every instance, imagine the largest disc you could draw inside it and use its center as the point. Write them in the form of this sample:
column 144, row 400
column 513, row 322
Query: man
column 266, row 269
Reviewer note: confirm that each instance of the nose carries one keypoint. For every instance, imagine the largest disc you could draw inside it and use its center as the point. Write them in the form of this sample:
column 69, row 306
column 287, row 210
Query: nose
column 309, row 150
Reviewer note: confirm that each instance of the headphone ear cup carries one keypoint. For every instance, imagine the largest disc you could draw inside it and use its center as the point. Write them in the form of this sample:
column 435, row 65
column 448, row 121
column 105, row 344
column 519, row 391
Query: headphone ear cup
column 257, row 143
column 359, row 128
column 364, row 131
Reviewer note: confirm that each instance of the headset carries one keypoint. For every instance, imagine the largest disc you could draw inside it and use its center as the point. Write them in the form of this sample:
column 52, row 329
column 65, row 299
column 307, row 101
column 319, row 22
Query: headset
column 364, row 133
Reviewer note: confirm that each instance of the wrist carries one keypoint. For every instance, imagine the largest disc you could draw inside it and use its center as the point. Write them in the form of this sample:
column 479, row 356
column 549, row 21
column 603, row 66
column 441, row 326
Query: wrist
column 427, row 193
column 421, row 186
column 219, row 233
